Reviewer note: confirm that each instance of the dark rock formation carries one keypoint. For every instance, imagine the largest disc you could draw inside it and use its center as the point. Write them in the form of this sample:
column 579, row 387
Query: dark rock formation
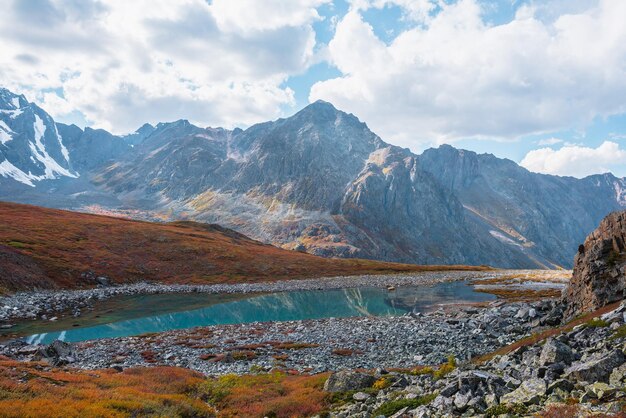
column 599, row 268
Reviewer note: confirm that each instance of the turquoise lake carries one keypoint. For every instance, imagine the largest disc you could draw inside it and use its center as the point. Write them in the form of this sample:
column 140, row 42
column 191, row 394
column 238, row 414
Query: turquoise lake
column 140, row 314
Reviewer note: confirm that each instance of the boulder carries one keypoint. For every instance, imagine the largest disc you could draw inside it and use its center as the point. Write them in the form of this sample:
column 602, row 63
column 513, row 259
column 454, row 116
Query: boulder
column 58, row 353
column 530, row 392
column 618, row 376
column 420, row 412
column 555, row 351
column 361, row 396
column 560, row 384
column 595, row 369
column 599, row 390
column 599, row 276
column 346, row 380
column 461, row 401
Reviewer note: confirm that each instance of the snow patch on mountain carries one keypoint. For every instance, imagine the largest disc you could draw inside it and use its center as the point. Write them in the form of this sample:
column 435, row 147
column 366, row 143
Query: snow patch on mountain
column 620, row 191
column 5, row 133
column 9, row 170
column 51, row 166
column 503, row 238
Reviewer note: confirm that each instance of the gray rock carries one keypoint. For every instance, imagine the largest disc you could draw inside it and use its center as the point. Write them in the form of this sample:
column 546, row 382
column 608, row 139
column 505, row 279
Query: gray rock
column 420, row 412
column 618, row 376
column 596, row 369
column 58, row 353
column 555, row 351
column 347, row 380
column 560, row 384
column 449, row 389
column 361, row 396
column 599, row 390
column 530, row 392
column 461, row 401
column 103, row 281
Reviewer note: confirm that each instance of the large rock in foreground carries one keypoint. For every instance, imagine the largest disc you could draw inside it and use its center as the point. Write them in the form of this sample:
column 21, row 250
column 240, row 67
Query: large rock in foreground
column 347, row 380
column 599, row 267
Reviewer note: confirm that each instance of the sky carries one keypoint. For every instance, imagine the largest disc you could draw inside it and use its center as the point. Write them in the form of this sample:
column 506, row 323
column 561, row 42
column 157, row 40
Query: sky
column 542, row 83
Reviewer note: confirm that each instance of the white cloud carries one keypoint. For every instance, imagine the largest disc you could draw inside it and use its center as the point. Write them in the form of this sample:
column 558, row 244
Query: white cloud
column 123, row 63
column 549, row 141
column 459, row 77
column 576, row 160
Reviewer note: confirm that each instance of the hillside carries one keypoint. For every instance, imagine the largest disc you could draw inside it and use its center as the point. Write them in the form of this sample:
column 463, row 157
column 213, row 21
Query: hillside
column 49, row 248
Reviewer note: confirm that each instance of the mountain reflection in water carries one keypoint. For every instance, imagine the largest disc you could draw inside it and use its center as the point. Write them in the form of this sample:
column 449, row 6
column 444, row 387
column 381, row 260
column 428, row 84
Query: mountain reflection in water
column 284, row 306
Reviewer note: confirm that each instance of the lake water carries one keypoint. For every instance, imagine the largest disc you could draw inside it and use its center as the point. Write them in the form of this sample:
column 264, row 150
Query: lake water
column 140, row 314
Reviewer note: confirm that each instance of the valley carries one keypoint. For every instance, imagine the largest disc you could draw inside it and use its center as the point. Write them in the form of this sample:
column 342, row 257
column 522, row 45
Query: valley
column 386, row 339
column 312, row 209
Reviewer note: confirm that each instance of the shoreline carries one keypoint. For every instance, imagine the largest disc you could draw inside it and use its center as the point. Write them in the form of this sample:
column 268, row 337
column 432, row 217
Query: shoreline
column 316, row 345
column 50, row 303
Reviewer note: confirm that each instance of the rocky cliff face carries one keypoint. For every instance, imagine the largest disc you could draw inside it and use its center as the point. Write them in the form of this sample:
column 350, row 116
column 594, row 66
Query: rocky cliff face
column 545, row 215
column 599, row 267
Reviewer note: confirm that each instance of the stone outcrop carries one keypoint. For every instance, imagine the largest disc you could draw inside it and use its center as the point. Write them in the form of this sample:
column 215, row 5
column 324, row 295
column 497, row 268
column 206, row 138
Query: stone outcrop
column 599, row 267
column 347, row 380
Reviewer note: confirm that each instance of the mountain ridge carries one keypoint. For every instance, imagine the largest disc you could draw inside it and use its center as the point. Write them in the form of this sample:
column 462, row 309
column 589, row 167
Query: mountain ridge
column 322, row 182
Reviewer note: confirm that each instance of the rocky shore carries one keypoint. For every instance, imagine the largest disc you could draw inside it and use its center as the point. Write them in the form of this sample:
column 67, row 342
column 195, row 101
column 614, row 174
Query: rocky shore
column 50, row 304
column 319, row 345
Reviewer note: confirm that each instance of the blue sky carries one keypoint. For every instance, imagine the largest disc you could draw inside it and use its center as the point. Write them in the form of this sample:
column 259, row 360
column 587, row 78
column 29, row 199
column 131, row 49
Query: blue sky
column 540, row 82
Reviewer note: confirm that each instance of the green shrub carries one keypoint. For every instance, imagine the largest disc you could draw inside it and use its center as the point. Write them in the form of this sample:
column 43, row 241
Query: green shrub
column 421, row 371
column 619, row 333
column 390, row 408
column 215, row 390
column 596, row 323
column 497, row 410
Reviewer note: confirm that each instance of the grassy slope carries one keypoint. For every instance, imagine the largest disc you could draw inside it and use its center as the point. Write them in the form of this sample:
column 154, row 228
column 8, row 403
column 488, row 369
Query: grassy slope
column 48, row 248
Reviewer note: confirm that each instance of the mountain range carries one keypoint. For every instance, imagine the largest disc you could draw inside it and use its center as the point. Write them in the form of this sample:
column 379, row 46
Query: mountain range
column 319, row 181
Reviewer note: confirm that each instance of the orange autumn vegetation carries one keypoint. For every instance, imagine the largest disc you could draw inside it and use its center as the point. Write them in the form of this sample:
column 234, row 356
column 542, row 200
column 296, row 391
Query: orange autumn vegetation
column 48, row 248
column 267, row 395
column 37, row 390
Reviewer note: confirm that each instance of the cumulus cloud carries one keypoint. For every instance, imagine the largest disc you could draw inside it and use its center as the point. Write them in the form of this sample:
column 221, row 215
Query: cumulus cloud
column 457, row 76
column 575, row 160
column 123, row 63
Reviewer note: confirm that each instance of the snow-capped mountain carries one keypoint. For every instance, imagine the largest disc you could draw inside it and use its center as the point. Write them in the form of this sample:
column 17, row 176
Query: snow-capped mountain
column 31, row 148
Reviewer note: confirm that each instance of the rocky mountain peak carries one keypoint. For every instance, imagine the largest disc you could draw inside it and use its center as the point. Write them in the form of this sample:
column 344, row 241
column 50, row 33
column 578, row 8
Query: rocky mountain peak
column 11, row 101
column 599, row 267
column 31, row 148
